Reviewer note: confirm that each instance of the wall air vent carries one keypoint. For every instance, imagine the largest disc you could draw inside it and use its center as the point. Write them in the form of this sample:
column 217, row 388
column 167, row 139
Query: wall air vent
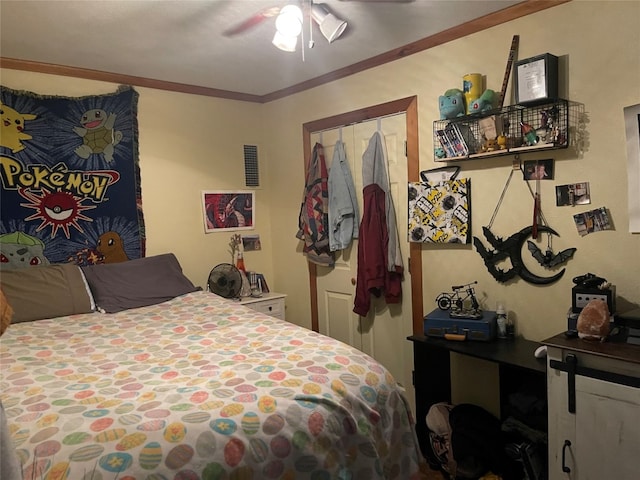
column 251, row 171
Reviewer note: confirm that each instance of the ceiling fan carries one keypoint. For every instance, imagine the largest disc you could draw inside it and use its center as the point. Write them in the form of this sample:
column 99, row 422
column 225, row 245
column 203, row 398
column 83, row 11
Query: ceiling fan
column 290, row 18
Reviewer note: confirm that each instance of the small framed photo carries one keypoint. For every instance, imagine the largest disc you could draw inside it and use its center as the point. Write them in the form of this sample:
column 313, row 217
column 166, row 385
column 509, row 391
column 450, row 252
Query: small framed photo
column 228, row 210
column 536, row 79
column 538, row 169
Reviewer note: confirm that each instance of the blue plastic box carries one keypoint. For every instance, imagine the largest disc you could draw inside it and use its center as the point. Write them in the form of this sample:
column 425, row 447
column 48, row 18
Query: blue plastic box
column 438, row 323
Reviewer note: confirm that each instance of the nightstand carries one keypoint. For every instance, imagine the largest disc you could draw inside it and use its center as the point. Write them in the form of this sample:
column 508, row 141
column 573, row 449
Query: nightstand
column 271, row 304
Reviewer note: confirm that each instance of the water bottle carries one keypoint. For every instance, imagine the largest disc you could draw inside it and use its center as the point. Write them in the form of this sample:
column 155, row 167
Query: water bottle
column 501, row 321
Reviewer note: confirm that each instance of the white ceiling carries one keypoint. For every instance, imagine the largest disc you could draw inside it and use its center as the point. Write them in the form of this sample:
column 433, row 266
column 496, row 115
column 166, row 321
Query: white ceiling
column 183, row 41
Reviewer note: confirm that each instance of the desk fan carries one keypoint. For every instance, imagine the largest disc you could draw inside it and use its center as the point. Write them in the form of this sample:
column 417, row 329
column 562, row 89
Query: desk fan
column 225, row 280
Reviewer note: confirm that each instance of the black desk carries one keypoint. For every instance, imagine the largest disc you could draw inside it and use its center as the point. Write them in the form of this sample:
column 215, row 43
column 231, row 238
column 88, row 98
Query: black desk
column 431, row 372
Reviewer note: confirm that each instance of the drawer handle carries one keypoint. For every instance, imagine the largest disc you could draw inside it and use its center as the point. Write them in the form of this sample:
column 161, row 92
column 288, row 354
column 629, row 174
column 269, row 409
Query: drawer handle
column 565, row 469
column 270, row 308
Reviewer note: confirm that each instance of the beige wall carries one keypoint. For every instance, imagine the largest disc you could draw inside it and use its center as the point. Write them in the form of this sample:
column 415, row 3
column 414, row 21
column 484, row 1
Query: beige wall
column 600, row 43
column 189, row 143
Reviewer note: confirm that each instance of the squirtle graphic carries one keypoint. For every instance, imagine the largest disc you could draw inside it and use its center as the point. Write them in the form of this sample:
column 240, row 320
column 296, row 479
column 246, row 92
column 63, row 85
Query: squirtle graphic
column 12, row 128
column 18, row 250
column 111, row 247
column 98, row 135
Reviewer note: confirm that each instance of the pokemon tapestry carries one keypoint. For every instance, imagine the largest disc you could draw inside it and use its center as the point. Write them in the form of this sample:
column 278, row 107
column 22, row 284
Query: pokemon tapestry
column 70, row 179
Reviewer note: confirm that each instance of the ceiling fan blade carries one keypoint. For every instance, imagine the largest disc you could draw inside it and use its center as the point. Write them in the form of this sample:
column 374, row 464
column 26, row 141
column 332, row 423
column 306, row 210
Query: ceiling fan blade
column 251, row 22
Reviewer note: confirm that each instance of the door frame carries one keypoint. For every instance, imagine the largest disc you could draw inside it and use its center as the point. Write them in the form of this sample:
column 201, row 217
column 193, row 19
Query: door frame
column 408, row 106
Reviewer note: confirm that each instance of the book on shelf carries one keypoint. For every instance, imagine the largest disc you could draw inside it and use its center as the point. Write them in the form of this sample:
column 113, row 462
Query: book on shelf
column 456, row 139
column 262, row 283
column 445, row 143
column 258, row 282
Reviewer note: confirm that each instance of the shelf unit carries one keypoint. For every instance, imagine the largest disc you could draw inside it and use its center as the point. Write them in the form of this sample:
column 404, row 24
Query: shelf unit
column 550, row 122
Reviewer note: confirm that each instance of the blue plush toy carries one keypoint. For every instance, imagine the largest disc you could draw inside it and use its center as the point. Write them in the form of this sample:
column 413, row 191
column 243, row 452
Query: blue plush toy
column 484, row 103
column 451, row 104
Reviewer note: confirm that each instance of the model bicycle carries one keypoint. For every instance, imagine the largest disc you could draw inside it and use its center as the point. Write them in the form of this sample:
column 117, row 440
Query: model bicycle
column 455, row 301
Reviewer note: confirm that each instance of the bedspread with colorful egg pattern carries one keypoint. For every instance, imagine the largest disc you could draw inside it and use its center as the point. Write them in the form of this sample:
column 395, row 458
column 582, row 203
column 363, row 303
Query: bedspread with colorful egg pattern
column 199, row 387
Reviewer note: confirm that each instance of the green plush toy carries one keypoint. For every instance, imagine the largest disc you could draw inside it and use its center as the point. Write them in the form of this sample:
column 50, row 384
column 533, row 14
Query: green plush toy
column 484, row 103
column 451, row 104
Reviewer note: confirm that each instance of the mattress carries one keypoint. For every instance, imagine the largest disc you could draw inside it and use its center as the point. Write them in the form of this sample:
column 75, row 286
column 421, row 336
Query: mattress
column 199, row 387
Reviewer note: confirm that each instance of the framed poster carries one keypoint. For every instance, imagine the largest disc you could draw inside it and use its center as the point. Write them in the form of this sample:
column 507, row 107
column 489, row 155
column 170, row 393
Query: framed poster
column 536, row 79
column 632, row 128
column 228, row 210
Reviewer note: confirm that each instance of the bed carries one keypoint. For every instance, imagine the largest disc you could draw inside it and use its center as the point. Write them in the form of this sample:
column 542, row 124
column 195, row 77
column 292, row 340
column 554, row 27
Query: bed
column 187, row 386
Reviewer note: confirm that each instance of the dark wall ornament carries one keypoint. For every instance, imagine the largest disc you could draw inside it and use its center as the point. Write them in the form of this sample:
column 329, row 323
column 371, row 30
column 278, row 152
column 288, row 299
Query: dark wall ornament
column 511, row 248
column 548, row 259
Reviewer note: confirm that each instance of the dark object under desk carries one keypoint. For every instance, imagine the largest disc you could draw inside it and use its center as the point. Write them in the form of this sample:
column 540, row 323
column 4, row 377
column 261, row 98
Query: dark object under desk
column 432, row 380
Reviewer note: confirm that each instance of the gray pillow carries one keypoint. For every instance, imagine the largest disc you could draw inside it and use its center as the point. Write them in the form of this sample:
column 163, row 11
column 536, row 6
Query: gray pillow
column 45, row 291
column 137, row 283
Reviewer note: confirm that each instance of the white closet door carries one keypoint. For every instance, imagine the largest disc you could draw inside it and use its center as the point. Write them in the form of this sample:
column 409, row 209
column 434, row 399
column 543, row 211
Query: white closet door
column 336, row 287
column 382, row 333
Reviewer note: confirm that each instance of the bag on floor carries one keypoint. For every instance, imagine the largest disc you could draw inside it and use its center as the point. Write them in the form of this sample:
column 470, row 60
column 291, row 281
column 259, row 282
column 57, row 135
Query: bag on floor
column 466, row 442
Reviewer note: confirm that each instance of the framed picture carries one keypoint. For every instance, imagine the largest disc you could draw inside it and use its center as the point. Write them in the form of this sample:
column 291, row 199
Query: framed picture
column 228, row 210
column 632, row 131
column 536, row 79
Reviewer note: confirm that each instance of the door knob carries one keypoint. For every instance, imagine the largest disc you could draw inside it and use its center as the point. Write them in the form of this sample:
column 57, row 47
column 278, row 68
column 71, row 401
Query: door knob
column 353, row 281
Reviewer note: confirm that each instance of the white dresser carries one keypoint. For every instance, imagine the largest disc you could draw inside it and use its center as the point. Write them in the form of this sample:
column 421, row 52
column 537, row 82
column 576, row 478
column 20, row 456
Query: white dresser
column 594, row 404
column 269, row 303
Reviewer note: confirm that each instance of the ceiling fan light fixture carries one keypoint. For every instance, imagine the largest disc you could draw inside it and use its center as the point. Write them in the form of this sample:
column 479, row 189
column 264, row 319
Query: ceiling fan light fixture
column 284, row 42
column 330, row 25
column 289, row 21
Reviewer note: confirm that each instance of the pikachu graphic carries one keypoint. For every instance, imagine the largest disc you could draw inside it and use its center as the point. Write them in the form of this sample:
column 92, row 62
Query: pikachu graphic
column 12, row 128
